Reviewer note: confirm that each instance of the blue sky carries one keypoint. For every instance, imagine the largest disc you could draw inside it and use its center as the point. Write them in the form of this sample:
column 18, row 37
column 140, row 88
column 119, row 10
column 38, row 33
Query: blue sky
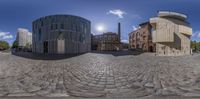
column 20, row 13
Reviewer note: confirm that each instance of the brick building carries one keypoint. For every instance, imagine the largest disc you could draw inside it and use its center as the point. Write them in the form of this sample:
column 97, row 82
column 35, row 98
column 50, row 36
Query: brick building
column 106, row 42
column 109, row 41
column 141, row 39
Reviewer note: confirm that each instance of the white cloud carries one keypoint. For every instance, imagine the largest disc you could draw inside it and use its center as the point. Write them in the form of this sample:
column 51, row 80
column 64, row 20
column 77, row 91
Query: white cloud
column 118, row 12
column 135, row 28
column 125, row 41
column 8, row 37
column 198, row 34
column 5, row 35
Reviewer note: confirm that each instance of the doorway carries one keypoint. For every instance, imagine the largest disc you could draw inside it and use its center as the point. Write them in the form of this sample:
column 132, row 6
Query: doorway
column 151, row 49
column 45, row 46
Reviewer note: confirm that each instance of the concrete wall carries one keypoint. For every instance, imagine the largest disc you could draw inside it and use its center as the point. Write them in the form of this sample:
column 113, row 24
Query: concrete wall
column 171, row 35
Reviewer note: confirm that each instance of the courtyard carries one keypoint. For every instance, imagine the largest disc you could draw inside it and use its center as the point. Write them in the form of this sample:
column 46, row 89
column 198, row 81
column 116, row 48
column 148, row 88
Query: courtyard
column 122, row 74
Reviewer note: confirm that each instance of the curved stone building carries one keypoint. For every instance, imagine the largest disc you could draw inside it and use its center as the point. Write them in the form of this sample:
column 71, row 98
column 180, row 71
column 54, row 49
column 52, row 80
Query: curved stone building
column 61, row 34
column 171, row 33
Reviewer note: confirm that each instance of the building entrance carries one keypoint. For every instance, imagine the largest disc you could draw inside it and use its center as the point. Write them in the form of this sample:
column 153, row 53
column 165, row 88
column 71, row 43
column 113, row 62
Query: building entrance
column 45, row 47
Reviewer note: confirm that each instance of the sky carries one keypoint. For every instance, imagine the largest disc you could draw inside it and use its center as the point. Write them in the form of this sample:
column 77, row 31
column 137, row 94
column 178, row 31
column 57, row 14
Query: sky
column 103, row 14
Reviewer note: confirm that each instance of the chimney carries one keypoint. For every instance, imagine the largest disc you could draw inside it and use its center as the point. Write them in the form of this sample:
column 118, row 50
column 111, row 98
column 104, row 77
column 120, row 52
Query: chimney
column 119, row 32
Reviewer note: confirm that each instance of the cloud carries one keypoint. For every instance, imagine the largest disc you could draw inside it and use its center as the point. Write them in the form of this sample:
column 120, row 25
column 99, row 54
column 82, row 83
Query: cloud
column 5, row 35
column 125, row 41
column 196, row 34
column 135, row 28
column 118, row 12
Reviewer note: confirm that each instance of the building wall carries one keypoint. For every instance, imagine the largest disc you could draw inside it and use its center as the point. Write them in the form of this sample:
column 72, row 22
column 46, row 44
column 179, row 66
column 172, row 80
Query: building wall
column 142, row 38
column 61, row 34
column 171, row 35
column 106, row 42
column 24, row 37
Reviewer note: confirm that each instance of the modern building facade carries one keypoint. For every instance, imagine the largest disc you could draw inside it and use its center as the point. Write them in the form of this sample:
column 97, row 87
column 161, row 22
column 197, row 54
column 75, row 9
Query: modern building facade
column 61, row 34
column 171, row 33
column 141, row 39
column 24, row 38
column 106, row 42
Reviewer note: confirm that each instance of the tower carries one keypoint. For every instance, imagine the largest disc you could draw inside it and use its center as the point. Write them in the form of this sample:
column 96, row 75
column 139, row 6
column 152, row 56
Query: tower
column 119, row 31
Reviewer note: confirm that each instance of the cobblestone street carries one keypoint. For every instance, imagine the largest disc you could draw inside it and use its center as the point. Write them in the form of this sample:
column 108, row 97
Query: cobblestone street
column 100, row 75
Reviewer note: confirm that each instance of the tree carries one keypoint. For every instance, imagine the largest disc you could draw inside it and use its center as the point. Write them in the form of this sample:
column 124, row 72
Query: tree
column 4, row 45
column 195, row 46
column 27, row 45
column 15, row 44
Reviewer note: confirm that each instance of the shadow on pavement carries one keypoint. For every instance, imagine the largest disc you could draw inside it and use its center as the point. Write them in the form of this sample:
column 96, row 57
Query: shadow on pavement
column 120, row 53
column 44, row 56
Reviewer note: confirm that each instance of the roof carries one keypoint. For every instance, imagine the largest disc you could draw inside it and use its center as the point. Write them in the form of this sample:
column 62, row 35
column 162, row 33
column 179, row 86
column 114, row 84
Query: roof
column 110, row 33
column 172, row 14
column 144, row 23
column 59, row 15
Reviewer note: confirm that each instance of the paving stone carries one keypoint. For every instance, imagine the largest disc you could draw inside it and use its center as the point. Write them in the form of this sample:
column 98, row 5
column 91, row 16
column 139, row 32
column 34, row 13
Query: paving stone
column 21, row 95
column 149, row 85
column 95, row 75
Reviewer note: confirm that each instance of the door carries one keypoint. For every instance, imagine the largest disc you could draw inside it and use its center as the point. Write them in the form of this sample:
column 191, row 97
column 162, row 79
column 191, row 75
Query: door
column 45, row 47
column 61, row 46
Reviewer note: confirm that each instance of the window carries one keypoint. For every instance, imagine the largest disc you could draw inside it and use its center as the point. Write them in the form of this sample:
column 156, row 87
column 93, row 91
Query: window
column 39, row 35
column 51, row 26
column 70, row 35
column 56, row 26
column 60, row 36
column 42, row 23
column 76, row 28
column 62, row 26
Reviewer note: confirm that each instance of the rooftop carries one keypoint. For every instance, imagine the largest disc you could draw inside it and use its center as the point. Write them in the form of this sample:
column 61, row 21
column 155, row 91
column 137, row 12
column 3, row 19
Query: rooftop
column 172, row 14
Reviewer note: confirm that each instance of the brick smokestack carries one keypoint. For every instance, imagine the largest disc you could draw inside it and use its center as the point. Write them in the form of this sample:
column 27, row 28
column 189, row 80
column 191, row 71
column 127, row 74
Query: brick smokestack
column 119, row 32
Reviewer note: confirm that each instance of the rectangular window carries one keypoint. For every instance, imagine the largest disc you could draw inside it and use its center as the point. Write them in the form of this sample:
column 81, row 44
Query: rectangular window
column 42, row 23
column 56, row 26
column 70, row 35
column 51, row 26
column 62, row 26
column 39, row 34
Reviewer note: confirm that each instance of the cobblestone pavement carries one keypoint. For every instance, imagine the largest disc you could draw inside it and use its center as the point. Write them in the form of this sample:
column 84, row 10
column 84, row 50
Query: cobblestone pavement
column 100, row 75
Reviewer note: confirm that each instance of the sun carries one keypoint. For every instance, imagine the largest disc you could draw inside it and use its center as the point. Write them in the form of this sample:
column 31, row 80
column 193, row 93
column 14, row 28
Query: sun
column 100, row 28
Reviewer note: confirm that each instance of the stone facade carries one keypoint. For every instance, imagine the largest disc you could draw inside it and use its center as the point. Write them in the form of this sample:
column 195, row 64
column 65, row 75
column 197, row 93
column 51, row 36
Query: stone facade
column 24, row 38
column 61, row 34
column 106, row 42
column 171, row 33
column 142, row 38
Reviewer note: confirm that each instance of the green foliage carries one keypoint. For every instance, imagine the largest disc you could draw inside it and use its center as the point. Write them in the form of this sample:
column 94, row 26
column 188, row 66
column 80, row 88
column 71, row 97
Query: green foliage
column 195, row 46
column 4, row 45
column 27, row 45
column 15, row 44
